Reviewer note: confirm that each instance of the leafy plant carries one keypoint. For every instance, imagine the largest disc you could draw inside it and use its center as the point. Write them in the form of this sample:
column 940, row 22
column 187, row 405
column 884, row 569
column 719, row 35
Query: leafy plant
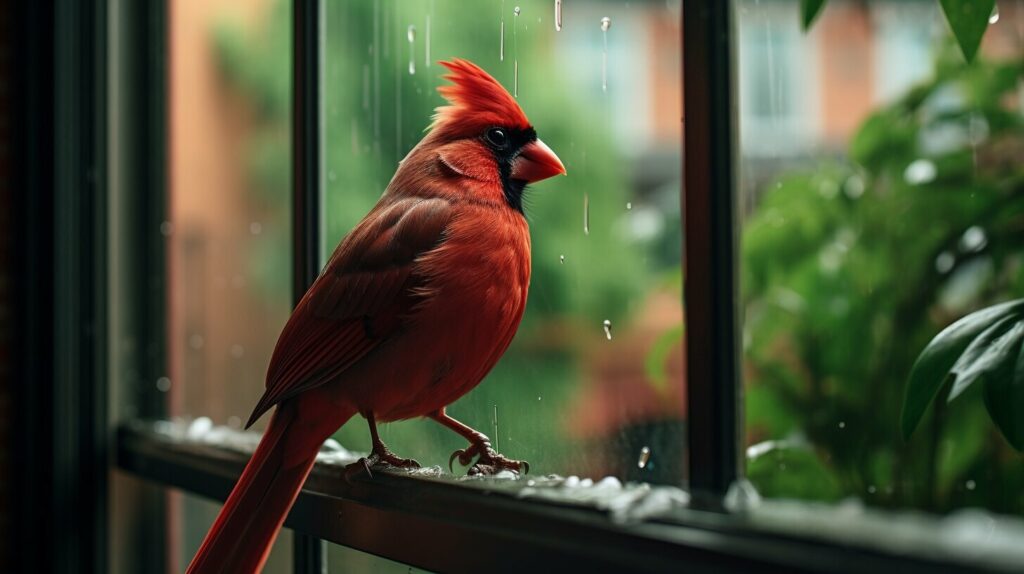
column 968, row 19
column 986, row 346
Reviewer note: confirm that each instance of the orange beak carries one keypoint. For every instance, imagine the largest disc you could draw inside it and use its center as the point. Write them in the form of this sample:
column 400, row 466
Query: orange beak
column 535, row 162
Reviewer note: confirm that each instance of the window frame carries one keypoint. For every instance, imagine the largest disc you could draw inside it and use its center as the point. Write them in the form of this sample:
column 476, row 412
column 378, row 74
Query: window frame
column 445, row 525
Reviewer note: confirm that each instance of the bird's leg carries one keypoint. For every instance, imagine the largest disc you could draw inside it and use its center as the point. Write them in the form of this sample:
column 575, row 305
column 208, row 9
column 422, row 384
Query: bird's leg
column 380, row 454
column 488, row 461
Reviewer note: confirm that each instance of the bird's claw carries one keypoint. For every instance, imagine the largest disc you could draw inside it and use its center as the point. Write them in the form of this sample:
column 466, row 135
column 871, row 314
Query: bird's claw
column 377, row 460
column 489, row 461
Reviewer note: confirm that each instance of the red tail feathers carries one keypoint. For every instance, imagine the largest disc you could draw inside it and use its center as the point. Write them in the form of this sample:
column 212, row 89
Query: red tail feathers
column 240, row 539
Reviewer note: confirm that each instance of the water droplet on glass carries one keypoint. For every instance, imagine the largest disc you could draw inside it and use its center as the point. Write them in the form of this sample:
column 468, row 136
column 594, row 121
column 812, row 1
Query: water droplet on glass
column 196, row 341
column 645, row 456
column 970, row 484
column 234, row 422
column 495, row 427
column 166, row 228
column 410, row 33
column 558, row 15
column 538, row 398
column 919, row 172
column 974, row 239
column 944, row 262
column 163, row 384
column 629, row 205
column 994, row 17
column 501, row 52
column 586, row 214
column 872, row 489
column 608, row 329
column 842, row 424
column 515, row 53
column 606, row 23
column 854, row 187
column 426, row 48
column 561, row 259
column 255, row 228
column 741, row 496
column 237, row 351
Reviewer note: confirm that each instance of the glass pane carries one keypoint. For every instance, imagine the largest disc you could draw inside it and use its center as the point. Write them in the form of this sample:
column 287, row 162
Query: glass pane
column 192, row 518
column 880, row 196
column 569, row 396
column 228, row 232
column 344, row 560
column 229, row 228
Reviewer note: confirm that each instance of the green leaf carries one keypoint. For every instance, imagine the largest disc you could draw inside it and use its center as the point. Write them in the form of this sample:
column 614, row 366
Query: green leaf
column 968, row 19
column 988, row 355
column 809, row 10
column 934, row 363
column 1004, row 395
column 654, row 362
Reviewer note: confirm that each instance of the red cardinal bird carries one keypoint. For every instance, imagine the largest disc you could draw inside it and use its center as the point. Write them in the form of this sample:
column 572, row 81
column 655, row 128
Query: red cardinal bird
column 414, row 308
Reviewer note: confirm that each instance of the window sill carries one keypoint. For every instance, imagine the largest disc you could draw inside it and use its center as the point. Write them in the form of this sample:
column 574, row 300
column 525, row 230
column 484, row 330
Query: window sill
column 432, row 520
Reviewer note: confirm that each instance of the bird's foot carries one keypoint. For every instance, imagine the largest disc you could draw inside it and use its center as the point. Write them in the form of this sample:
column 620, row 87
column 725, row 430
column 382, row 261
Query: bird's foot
column 380, row 458
column 488, row 461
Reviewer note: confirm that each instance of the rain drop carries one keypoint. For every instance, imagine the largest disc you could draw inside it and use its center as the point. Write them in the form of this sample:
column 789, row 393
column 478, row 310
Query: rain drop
column 970, row 484
column 645, row 456
column 410, row 34
column 608, row 329
column 255, row 228
column 606, row 23
column 994, row 17
column 558, row 15
column 629, row 205
column 586, row 214
column 234, row 422
column 872, row 489
column 561, row 259
column 495, row 427
column 842, row 424
column 426, row 48
column 196, row 341
column 974, row 239
column 163, row 384
column 237, row 351
column 166, row 228
column 515, row 52
column 919, row 172
column 944, row 262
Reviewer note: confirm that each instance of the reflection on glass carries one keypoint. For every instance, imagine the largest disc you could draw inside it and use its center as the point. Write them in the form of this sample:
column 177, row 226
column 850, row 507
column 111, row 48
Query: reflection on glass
column 567, row 397
column 880, row 188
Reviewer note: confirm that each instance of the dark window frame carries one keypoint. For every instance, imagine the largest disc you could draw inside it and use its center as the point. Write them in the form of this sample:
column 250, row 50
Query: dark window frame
column 443, row 525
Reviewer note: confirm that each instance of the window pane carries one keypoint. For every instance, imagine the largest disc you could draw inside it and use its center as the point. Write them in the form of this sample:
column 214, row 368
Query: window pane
column 191, row 517
column 568, row 396
column 229, row 238
column 880, row 201
column 343, row 560
column 228, row 232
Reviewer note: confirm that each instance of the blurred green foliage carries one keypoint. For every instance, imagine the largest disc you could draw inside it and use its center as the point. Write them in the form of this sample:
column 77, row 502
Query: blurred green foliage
column 849, row 269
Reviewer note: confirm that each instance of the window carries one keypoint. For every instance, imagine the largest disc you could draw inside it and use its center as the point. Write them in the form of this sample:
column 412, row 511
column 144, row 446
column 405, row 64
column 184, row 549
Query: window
column 846, row 210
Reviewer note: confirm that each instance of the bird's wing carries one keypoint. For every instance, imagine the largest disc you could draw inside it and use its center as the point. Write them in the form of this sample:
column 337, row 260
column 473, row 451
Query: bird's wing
column 359, row 299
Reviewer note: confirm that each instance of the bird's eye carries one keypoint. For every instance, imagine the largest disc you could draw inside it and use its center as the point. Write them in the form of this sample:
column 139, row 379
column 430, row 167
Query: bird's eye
column 497, row 137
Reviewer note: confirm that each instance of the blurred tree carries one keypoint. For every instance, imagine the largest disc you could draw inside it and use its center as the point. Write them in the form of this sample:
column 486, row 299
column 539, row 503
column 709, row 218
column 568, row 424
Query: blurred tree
column 850, row 269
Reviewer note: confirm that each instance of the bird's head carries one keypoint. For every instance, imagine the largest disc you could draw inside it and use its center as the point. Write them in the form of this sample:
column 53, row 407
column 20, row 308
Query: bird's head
column 483, row 134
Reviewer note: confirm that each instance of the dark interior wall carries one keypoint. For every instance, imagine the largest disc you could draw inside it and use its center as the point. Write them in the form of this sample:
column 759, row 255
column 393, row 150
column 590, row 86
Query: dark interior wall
column 6, row 279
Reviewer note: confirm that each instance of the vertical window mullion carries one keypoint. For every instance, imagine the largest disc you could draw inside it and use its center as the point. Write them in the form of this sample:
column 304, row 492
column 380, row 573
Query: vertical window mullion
column 710, row 249
column 308, row 551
